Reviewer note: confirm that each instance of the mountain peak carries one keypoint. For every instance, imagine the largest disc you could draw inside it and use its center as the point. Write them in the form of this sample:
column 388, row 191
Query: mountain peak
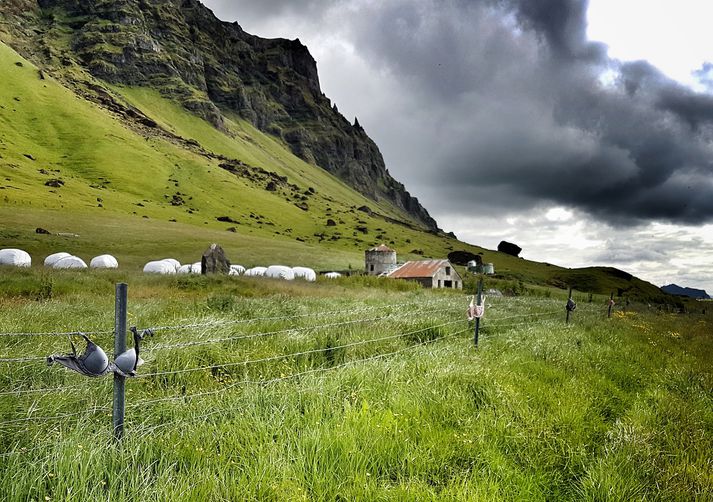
column 211, row 67
column 674, row 289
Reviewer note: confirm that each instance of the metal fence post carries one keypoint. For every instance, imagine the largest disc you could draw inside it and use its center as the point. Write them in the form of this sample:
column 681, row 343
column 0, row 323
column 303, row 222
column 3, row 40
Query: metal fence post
column 119, row 347
column 611, row 304
column 568, row 311
column 478, row 302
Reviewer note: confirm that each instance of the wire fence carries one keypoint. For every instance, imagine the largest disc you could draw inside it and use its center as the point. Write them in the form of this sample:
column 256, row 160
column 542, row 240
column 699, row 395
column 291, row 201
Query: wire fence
column 233, row 374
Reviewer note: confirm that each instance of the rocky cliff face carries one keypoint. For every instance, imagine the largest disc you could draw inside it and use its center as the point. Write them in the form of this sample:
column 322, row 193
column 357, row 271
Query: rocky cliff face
column 180, row 48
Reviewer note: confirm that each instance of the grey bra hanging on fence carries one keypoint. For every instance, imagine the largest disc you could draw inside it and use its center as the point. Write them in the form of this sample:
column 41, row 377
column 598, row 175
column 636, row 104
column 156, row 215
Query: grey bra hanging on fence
column 93, row 362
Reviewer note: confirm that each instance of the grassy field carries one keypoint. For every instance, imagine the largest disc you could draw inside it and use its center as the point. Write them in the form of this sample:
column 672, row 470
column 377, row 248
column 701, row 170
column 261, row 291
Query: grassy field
column 357, row 389
column 72, row 167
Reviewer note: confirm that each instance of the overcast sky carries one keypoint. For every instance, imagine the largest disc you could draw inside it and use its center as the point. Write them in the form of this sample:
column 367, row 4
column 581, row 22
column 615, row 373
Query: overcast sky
column 582, row 131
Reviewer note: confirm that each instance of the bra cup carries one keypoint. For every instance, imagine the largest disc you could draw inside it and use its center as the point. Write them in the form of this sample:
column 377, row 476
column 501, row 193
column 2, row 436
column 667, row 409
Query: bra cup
column 126, row 361
column 94, row 359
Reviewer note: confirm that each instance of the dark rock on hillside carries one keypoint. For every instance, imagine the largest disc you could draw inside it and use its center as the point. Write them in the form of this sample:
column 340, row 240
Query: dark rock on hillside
column 674, row 289
column 463, row 257
column 214, row 261
column 509, row 248
column 181, row 49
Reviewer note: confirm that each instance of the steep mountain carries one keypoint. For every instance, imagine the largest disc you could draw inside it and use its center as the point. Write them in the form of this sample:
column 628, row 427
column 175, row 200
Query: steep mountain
column 674, row 289
column 213, row 69
column 135, row 148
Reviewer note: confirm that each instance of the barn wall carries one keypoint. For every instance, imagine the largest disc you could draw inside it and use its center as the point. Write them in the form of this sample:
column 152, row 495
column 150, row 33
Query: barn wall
column 453, row 277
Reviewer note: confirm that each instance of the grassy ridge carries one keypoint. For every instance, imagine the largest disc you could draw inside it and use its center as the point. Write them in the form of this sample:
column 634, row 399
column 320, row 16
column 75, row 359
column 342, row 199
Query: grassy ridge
column 597, row 410
column 110, row 172
column 141, row 195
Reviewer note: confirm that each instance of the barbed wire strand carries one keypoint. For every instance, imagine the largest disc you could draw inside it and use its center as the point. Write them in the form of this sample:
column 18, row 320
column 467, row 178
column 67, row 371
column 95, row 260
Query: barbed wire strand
column 55, row 333
column 97, row 409
column 92, row 411
column 203, row 324
column 286, row 330
column 22, row 359
column 43, row 391
column 285, row 356
column 271, row 381
column 228, row 322
column 149, row 349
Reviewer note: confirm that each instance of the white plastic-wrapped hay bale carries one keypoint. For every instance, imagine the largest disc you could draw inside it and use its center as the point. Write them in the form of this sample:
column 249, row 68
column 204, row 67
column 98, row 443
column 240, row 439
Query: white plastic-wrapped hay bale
column 54, row 258
column 15, row 257
column 184, row 269
column 332, row 275
column 70, row 263
column 104, row 261
column 160, row 267
column 280, row 272
column 236, row 270
column 175, row 263
column 305, row 273
column 255, row 272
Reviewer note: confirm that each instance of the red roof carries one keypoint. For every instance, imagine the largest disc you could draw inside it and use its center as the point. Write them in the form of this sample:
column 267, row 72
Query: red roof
column 418, row 269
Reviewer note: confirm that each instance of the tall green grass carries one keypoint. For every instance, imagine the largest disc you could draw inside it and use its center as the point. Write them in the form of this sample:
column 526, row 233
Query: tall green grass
column 599, row 409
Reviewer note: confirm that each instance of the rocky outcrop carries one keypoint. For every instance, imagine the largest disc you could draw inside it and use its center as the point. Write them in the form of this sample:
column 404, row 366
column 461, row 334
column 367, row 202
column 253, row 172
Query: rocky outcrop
column 214, row 261
column 181, row 49
column 509, row 248
column 463, row 257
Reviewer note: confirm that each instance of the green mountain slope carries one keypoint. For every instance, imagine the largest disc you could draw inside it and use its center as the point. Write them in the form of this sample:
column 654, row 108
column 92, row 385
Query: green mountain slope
column 214, row 70
column 99, row 166
column 136, row 175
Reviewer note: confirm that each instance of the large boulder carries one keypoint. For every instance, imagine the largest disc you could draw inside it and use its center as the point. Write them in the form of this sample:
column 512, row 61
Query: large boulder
column 509, row 248
column 214, row 261
column 463, row 257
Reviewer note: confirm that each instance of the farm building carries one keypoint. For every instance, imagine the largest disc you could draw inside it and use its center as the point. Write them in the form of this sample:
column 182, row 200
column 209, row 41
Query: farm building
column 430, row 273
column 379, row 260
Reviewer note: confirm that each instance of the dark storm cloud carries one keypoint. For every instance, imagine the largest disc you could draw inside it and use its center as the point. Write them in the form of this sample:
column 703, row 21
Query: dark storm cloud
column 501, row 107
column 563, row 25
column 255, row 11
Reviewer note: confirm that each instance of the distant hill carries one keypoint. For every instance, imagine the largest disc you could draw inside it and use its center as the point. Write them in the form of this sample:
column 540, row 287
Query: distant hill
column 673, row 289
